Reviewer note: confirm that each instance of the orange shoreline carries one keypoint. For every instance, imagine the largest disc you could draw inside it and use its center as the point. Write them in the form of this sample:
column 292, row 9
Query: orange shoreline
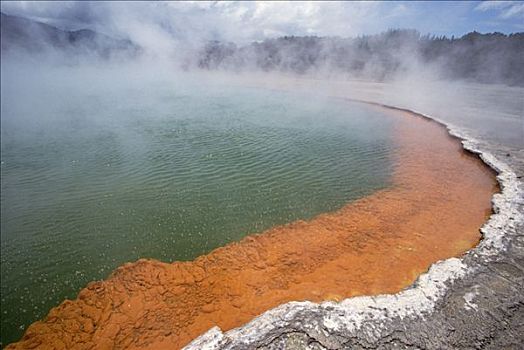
column 440, row 198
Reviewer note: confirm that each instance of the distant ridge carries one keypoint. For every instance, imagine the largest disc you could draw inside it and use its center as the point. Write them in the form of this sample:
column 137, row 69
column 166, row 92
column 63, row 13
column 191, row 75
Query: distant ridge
column 18, row 33
column 486, row 58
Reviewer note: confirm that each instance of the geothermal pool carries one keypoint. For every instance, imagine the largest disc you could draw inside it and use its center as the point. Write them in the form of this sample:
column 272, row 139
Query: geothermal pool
column 98, row 173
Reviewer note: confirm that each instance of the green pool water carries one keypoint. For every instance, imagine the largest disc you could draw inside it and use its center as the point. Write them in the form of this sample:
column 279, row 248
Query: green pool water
column 100, row 170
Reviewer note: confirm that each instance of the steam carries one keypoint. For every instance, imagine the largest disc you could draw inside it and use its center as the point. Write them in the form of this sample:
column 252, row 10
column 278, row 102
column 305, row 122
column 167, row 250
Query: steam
column 264, row 44
column 258, row 44
column 336, row 40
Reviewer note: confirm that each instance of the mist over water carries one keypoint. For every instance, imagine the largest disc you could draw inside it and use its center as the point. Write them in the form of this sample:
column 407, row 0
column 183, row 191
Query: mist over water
column 110, row 153
column 100, row 168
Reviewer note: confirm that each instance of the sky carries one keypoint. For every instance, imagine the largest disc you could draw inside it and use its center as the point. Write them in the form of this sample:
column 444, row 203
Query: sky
column 241, row 22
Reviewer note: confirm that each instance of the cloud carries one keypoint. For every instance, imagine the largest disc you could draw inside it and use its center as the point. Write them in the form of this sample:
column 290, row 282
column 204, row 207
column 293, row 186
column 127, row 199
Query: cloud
column 505, row 9
column 235, row 21
column 165, row 27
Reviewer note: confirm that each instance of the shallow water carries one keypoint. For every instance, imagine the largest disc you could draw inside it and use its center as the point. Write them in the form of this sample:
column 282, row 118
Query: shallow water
column 98, row 171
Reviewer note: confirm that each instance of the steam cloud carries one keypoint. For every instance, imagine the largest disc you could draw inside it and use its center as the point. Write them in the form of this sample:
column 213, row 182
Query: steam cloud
column 322, row 40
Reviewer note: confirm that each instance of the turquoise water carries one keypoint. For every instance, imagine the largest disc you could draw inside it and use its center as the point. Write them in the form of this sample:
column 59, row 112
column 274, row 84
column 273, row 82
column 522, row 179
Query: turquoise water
column 98, row 171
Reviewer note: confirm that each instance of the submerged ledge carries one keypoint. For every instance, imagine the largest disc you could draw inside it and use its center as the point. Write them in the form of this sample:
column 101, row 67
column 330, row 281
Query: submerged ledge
column 331, row 324
column 475, row 301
